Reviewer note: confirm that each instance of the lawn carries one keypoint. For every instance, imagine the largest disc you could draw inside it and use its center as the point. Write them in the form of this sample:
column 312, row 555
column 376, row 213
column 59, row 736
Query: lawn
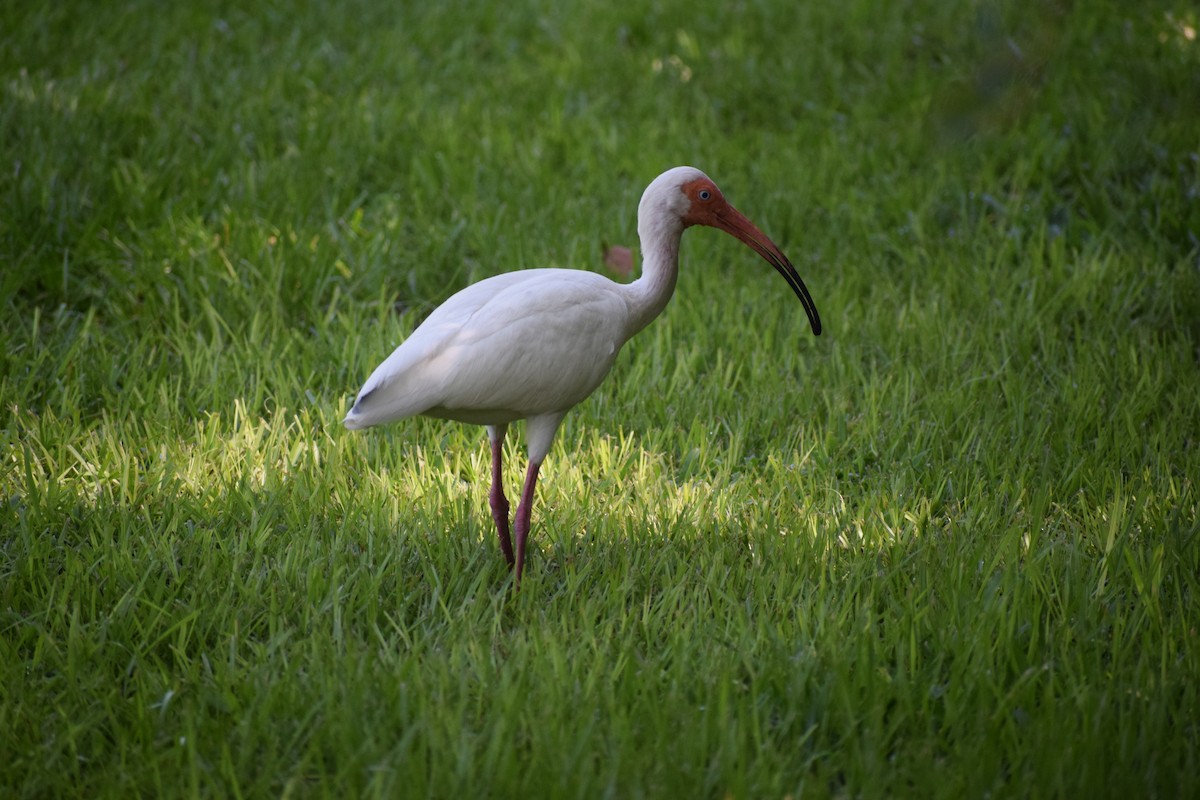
column 950, row 548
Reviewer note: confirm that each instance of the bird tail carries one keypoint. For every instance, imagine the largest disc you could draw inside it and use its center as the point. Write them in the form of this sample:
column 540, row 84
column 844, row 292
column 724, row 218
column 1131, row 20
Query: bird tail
column 357, row 418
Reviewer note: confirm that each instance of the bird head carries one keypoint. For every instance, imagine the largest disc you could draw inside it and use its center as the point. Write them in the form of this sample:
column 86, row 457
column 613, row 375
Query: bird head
column 686, row 196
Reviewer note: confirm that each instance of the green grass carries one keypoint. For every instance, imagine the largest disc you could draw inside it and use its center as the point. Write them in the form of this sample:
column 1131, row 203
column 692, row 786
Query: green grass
column 950, row 548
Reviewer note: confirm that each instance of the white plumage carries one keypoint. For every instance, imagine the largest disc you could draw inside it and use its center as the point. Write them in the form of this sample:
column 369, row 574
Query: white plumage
column 532, row 344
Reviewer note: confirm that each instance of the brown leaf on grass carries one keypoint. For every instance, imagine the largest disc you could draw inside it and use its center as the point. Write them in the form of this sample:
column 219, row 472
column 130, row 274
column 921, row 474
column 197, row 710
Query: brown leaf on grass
column 619, row 260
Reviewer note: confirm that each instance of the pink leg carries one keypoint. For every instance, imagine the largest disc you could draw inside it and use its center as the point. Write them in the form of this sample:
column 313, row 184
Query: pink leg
column 523, row 511
column 496, row 498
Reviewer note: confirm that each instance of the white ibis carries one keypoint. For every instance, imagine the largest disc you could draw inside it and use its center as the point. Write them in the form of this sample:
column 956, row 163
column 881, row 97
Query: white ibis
column 531, row 344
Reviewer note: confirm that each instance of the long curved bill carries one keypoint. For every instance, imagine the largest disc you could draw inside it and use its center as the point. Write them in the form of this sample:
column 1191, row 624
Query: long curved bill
column 733, row 222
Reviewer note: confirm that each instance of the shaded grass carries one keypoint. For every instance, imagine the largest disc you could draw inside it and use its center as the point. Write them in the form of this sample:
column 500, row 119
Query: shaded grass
column 949, row 548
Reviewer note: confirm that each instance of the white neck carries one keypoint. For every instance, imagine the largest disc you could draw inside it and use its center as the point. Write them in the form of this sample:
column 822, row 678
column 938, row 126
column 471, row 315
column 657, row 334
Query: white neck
column 648, row 295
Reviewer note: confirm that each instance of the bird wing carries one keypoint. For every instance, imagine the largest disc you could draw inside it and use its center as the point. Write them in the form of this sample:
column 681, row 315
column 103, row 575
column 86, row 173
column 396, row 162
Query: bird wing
column 512, row 346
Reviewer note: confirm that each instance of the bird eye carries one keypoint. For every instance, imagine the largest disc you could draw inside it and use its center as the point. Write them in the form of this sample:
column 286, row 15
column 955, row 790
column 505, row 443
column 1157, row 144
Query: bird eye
column 705, row 194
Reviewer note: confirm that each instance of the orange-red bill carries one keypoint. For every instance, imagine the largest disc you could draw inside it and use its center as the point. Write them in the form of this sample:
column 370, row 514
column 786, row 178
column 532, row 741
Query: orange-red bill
column 733, row 222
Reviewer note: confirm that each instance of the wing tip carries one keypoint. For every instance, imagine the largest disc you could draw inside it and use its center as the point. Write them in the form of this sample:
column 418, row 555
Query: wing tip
column 354, row 417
